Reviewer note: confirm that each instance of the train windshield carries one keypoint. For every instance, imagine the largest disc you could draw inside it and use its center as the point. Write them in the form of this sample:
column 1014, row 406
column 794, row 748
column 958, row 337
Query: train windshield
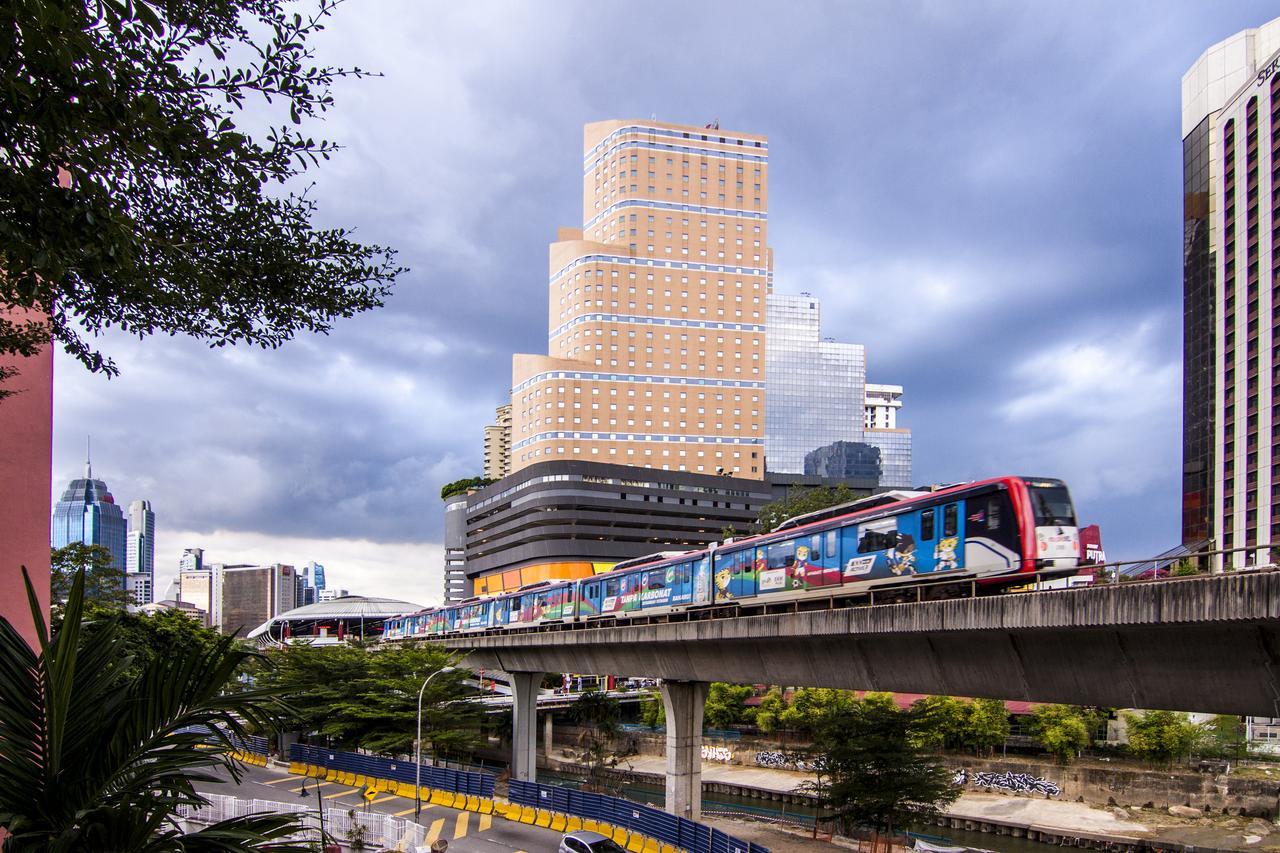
column 1052, row 506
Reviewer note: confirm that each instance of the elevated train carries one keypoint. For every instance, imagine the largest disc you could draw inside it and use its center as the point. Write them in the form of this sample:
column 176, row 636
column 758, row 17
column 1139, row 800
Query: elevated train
column 993, row 532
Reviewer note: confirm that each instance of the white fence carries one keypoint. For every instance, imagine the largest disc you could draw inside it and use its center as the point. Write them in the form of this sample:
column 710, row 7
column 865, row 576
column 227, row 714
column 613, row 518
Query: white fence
column 382, row 831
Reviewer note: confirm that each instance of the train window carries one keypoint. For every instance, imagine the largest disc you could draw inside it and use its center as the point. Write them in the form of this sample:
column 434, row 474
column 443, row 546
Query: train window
column 684, row 573
column 657, row 579
column 831, row 544
column 611, row 586
column 877, row 536
column 593, row 590
column 950, row 516
column 993, row 512
column 782, row 554
column 815, row 547
column 926, row 525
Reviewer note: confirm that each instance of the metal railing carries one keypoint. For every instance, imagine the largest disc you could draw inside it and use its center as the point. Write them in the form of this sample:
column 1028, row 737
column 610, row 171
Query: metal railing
column 381, row 831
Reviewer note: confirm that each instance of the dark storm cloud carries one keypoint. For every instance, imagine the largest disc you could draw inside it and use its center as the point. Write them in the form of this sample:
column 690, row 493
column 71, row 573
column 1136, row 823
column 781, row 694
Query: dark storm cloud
column 987, row 196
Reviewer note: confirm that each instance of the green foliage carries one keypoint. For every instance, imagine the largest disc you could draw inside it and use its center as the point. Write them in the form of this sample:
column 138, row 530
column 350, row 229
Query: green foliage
column 174, row 219
column 458, row 487
column 1161, row 736
column 365, row 699
column 599, row 715
column 811, row 705
column 726, row 705
column 770, row 710
column 1225, row 734
column 96, row 761
column 1061, row 729
column 986, row 725
column 652, row 712
column 873, row 773
column 800, row 501
column 103, row 582
column 1184, row 567
column 940, row 722
column 146, row 637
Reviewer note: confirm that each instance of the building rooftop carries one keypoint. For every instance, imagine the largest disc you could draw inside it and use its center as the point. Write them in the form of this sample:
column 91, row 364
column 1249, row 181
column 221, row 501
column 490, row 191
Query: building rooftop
column 347, row 607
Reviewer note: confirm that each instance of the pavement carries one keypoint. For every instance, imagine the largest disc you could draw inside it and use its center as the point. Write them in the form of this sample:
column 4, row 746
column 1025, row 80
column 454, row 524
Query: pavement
column 466, row 832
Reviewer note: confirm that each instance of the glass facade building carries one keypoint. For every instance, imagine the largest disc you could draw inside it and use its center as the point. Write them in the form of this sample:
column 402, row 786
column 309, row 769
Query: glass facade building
column 140, row 558
column 814, row 388
column 88, row 513
column 895, row 456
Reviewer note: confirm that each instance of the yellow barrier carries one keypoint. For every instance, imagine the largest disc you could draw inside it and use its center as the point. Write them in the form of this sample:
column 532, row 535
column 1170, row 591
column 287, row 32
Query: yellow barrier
column 528, row 814
column 557, row 823
column 667, row 848
column 330, row 775
column 573, row 824
column 620, row 836
column 635, row 843
column 485, row 806
column 544, row 818
column 652, row 846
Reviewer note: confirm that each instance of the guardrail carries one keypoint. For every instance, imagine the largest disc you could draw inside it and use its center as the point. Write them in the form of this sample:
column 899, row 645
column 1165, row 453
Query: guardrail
column 629, row 817
column 381, row 830
column 375, row 767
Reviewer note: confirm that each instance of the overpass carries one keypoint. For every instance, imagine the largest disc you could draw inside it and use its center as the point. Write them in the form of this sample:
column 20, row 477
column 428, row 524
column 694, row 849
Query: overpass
column 1206, row 643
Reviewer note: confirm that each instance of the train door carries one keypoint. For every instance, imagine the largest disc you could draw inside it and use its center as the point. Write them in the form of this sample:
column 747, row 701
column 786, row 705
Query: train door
column 948, row 554
column 590, row 604
column 611, row 595
column 702, row 580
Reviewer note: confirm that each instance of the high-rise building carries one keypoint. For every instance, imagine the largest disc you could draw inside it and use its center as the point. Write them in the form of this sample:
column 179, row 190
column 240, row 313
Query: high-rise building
column 456, row 586
column 317, row 574
column 497, row 445
column 88, row 513
column 895, row 455
column 1231, row 302
column 192, row 560
column 140, row 556
column 200, row 589
column 250, row 595
column 657, row 308
column 331, row 594
column 882, row 405
column 814, row 390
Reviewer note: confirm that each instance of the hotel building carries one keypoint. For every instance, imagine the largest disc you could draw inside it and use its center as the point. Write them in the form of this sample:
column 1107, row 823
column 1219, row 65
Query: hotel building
column 657, row 308
column 1231, row 289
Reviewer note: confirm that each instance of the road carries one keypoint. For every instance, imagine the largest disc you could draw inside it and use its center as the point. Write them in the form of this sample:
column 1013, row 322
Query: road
column 466, row 832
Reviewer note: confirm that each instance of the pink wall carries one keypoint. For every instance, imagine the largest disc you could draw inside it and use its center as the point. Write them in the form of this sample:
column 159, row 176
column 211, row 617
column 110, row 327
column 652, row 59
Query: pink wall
column 26, row 460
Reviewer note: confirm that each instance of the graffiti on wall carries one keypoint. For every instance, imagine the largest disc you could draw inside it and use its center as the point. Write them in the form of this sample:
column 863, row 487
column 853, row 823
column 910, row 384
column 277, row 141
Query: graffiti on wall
column 787, row 760
column 716, row 753
column 1013, row 782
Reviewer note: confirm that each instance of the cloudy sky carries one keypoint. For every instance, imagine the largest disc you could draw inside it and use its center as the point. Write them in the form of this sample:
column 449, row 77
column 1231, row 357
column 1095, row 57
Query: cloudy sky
column 987, row 195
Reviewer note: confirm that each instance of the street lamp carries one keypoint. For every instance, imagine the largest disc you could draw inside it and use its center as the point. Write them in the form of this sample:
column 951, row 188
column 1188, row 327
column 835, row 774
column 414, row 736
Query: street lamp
column 417, row 745
column 319, row 806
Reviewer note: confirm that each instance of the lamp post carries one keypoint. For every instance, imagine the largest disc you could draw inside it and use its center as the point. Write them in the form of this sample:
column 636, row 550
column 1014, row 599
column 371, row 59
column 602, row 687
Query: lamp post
column 319, row 807
column 417, row 745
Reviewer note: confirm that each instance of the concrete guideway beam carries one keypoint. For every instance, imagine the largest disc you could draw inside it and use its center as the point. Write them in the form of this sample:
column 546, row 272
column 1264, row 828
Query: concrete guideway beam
column 524, row 725
column 683, row 702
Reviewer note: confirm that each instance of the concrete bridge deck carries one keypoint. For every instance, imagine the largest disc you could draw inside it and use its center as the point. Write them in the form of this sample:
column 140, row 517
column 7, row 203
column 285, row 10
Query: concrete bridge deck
column 1203, row 643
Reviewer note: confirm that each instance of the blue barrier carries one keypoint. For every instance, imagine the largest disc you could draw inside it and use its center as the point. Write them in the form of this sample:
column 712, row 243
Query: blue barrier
column 252, row 743
column 440, row 778
column 655, row 823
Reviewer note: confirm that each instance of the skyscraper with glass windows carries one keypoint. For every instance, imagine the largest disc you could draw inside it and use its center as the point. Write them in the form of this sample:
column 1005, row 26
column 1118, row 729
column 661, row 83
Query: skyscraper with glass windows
column 1231, row 294
column 140, row 557
column 656, row 322
column 88, row 513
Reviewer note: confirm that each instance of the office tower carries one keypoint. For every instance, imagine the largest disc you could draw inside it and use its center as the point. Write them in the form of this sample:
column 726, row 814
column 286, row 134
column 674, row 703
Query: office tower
column 140, row 556
column 317, row 575
column 199, row 588
column 882, row 405
column 331, row 594
column 192, row 560
column 497, row 445
column 1231, row 303
column 88, row 513
column 456, row 586
column 814, row 390
column 895, row 455
column 657, row 303
column 250, row 595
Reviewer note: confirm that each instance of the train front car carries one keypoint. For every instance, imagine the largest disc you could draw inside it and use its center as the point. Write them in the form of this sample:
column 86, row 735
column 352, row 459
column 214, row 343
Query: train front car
column 1053, row 544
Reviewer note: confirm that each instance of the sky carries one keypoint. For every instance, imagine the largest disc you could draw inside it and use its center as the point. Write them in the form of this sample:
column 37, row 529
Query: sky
column 986, row 195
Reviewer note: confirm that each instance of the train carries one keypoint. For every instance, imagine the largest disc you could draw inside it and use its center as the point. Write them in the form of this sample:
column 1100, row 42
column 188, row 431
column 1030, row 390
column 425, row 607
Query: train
column 990, row 534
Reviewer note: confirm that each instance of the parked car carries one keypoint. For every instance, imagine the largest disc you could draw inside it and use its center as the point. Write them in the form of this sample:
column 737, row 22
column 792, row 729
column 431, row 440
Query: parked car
column 583, row 841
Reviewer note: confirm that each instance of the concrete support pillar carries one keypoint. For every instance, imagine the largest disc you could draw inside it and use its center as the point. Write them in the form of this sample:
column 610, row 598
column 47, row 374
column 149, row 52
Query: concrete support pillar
column 548, row 733
column 524, row 718
column 683, row 702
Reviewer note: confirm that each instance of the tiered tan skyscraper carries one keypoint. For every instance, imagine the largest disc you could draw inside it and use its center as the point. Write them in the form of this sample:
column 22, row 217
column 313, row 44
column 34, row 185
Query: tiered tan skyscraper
column 657, row 307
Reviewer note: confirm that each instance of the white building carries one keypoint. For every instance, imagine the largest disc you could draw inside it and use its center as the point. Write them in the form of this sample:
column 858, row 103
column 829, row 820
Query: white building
column 882, row 405
column 140, row 552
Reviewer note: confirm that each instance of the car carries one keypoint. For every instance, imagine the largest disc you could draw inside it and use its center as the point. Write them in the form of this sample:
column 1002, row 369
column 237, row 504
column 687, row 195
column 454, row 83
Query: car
column 582, row 841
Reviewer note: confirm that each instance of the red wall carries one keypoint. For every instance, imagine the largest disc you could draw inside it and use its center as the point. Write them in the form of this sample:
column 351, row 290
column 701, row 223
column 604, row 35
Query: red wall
column 26, row 460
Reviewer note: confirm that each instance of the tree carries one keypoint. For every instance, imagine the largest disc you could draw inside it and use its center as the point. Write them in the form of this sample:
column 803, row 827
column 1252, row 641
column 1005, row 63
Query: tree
column 598, row 715
column 1226, row 734
column 986, row 725
column 466, row 484
column 940, row 722
column 811, row 705
column 872, row 774
column 770, row 710
column 144, row 637
column 91, row 763
column 131, row 198
column 1185, row 567
column 1161, row 736
column 652, row 712
column 1061, row 729
column 800, row 501
column 104, row 583
column 726, row 705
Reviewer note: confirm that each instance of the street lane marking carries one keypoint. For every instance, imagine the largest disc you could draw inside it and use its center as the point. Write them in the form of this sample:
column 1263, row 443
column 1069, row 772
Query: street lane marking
column 433, row 834
column 281, row 779
column 460, row 829
column 383, row 799
column 486, row 820
column 410, row 811
column 341, row 794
